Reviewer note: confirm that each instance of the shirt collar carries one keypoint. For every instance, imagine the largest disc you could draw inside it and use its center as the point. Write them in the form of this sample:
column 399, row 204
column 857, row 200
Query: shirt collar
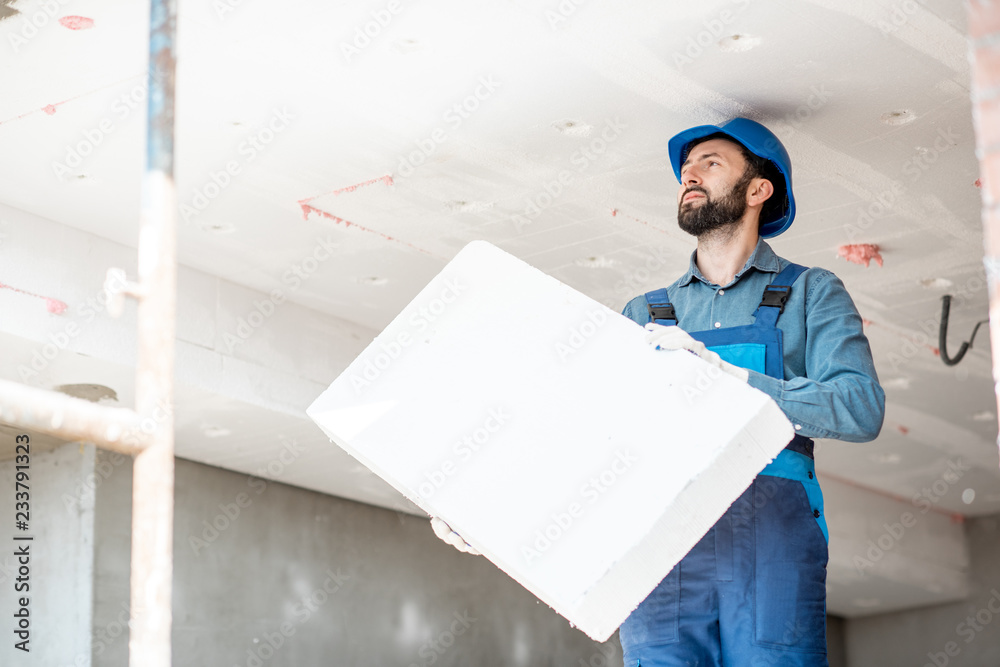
column 762, row 258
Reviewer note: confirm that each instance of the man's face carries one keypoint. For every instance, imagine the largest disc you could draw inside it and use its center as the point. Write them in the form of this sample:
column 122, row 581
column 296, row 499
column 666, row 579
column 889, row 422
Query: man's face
column 713, row 187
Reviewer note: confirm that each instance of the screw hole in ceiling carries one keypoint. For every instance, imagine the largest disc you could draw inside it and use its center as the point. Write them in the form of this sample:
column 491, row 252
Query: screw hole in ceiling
column 738, row 43
column 573, row 128
column 370, row 280
column 406, row 46
column 219, row 228
column 463, row 206
column 899, row 117
column 596, row 262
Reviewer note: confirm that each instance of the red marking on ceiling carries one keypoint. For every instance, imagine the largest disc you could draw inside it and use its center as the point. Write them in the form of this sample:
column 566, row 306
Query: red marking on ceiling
column 615, row 212
column 902, row 429
column 51, row 108
column 54, row 306
column 387, row 179
column 308, row 209
column 860, row 253
column 865, row 322
column 978, row 183
column 76, row 22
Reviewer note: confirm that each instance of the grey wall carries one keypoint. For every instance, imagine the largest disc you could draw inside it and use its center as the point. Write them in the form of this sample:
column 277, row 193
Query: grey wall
column 112, row 551
column 964, row 634
column 327, row 581
column 836, row 645
column 267, row 575
column 60, row 557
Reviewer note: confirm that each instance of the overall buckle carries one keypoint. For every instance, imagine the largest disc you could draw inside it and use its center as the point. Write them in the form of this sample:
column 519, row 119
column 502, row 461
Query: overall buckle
column 661, row 311
column 776, row 296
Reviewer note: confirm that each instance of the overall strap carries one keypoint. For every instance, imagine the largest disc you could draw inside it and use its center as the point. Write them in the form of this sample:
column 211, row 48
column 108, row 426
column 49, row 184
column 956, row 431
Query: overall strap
column 660, row 309
column 772, row 304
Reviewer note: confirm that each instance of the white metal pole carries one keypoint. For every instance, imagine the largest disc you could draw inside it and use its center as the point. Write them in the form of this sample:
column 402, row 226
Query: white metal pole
column 153, row 470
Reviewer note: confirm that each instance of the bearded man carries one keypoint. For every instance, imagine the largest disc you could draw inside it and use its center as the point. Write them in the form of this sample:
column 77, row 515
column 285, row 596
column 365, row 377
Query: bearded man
column 753, row 590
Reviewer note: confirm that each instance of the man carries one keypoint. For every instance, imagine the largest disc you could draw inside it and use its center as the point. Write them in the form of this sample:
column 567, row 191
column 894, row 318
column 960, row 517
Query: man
column 752, row 591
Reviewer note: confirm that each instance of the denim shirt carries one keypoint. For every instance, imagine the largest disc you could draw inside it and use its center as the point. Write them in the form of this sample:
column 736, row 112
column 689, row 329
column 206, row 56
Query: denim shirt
column 830, row 388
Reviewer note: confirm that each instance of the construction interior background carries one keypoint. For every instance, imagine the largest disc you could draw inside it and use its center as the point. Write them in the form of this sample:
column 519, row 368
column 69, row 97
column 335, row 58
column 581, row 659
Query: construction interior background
column 331, row 157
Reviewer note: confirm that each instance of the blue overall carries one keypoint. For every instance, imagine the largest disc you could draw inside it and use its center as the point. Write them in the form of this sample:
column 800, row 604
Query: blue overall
column 753, row 590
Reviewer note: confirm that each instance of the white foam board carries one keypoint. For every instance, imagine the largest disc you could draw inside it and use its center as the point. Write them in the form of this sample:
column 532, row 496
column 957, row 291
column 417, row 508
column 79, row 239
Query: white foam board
column 542, row 427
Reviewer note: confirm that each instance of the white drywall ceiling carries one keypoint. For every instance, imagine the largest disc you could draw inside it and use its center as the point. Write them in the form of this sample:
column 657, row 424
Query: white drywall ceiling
column 870, row 98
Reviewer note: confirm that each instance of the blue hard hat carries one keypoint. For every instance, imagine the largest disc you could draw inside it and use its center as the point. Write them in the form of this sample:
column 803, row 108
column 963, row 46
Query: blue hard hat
column 761, row 142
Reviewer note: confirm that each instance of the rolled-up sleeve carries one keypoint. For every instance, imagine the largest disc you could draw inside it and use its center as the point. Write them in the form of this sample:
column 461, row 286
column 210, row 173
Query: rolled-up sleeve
column 839, row 397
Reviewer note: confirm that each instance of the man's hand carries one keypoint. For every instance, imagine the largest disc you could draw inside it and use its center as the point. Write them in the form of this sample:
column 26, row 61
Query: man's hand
column 675, row 338
column 444, row 531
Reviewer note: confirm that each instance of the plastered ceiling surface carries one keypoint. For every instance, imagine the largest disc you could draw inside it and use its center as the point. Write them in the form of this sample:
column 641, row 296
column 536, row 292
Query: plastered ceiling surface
column 393, row 133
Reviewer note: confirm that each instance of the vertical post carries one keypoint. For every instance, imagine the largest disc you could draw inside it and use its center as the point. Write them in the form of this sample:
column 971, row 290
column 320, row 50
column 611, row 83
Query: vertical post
column 984, row 34
column 153, row 471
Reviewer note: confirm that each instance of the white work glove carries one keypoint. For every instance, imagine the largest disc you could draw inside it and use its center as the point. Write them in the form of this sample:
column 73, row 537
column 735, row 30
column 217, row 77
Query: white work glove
column 444, row 531
column 675, row 338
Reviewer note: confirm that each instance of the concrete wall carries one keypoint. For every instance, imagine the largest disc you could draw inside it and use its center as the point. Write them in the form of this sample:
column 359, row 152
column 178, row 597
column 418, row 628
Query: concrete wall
column 889, row 555
column 60, row 561
column 961, row 634
column 112, row 556
column 836, row 646
column 267, row 574
column 260, row 565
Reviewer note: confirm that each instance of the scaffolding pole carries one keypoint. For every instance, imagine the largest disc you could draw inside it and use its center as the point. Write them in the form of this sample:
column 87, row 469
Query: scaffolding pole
column 148, row 431
column 153, row 470
column 118, row 429
column 984, row 43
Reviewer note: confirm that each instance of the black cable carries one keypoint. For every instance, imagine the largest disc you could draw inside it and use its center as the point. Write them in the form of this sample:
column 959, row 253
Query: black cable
column 943, row 335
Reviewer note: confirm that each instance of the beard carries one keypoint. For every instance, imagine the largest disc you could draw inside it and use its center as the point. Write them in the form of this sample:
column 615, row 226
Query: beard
column 713, row 215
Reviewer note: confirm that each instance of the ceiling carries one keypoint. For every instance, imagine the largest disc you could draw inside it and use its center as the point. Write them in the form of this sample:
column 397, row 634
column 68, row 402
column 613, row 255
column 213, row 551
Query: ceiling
column 399, row 132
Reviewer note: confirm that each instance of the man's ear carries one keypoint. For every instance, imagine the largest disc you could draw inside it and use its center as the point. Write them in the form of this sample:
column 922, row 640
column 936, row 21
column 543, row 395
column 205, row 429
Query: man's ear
column 760, row 191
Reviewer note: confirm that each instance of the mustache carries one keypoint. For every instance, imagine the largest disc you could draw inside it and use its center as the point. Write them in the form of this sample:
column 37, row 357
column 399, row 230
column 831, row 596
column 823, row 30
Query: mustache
column 695, row 188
